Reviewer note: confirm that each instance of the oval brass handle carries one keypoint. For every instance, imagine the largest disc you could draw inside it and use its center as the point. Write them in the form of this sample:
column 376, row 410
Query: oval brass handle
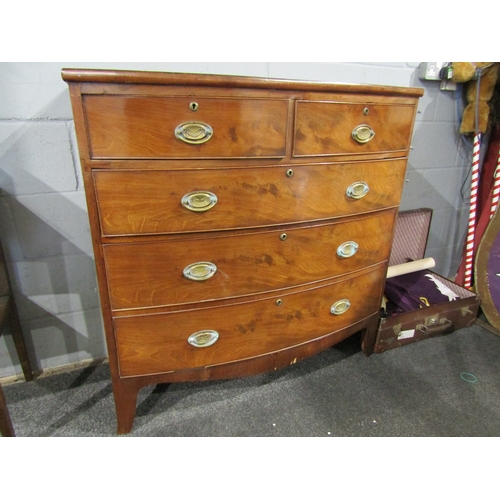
column 200, row 271
column 340, row 307
column 363, row 134
column 357, row 190
column 347, row 249
column 199, row 201
column 203, row 338
column 194, row 132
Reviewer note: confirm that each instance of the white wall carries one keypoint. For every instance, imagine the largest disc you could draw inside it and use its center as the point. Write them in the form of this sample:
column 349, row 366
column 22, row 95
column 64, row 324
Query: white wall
column 44, row 227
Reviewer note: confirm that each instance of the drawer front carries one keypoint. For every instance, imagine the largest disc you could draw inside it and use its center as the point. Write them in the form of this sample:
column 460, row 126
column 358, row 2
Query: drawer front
column 331, row 128
column 159, row 343
column 178, row 272
column 160, row 127
column 150, row 202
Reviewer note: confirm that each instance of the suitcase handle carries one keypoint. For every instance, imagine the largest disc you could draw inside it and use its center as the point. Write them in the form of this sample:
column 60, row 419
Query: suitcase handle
column 442, row 327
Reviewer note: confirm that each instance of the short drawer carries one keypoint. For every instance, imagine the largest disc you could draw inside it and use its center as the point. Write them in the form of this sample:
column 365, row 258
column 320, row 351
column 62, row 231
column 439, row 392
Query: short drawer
column 142, row 275
column 185, row 127
column 163, row 202
column 335, row 128
column 174, row 341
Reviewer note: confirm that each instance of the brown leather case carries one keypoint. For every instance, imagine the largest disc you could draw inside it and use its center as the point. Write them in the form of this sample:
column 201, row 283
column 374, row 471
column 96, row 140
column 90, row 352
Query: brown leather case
column 410, row 241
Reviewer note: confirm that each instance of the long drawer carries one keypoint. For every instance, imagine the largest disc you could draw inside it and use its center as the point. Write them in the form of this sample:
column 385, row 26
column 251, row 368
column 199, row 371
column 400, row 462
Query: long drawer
column 185, row 127
column 133, row 202
column 204, row 337
column 155, row 274
column 333, row 128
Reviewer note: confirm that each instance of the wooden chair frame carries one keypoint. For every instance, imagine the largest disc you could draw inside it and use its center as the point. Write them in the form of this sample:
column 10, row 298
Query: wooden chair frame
column 9, row 317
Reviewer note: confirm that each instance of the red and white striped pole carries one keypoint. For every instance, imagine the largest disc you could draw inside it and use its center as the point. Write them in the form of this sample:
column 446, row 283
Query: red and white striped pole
column 496, row 188
column 469, row 258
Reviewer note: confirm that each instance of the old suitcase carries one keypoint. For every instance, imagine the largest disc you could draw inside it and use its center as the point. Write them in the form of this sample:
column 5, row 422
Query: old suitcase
column 410, row 241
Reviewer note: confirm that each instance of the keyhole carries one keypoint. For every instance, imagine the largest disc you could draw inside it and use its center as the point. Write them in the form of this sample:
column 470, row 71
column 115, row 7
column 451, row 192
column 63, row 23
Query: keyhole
column 193, row 106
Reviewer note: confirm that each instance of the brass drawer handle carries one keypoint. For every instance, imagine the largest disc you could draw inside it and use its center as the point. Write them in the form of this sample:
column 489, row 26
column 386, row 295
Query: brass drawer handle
column 357, row 190
column 203, row 338
column 340, row 307
column 363, row 134
column 347, row 249
column 194, row 132
column 199, row 201
column 200, row 271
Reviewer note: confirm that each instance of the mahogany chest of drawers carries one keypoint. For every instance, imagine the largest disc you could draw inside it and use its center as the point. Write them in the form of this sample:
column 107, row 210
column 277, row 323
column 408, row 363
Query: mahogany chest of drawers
column 239, row 224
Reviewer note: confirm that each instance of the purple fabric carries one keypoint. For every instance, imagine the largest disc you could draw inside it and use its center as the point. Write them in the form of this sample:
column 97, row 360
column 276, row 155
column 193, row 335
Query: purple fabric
column 414, row 291
column 493, row 269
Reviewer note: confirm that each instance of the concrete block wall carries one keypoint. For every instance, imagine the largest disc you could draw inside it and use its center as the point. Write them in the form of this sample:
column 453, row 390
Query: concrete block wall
column 44, row 227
